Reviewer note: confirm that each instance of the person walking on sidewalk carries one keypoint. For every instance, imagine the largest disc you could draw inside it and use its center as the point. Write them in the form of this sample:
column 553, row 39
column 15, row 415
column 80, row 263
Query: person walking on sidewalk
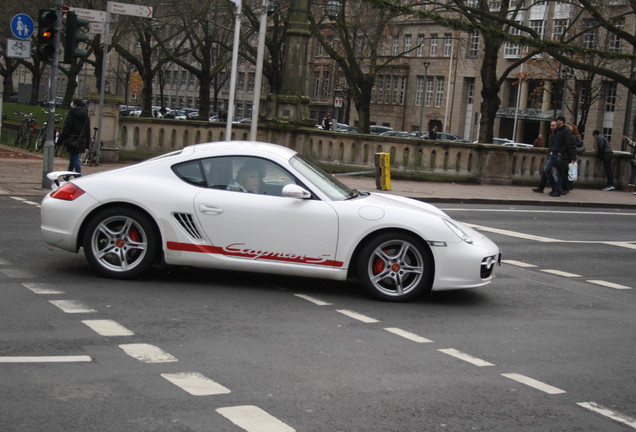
column 564, row 147
column 544, row 177
column 604, row 152
column 632, row 176
column 77, row 129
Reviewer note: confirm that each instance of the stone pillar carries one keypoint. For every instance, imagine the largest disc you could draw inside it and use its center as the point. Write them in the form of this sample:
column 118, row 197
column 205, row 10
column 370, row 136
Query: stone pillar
column 110, row 124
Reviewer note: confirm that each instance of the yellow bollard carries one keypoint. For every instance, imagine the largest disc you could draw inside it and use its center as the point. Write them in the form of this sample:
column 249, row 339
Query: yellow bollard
column 383, row 171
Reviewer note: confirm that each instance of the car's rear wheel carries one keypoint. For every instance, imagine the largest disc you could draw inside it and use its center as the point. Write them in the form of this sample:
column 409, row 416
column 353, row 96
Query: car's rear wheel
column 395, row 266
column 120, row 242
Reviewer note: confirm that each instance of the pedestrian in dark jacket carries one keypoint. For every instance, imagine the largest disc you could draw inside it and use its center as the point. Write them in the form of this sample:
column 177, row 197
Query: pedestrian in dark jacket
column 604, row 152
column 77, row 128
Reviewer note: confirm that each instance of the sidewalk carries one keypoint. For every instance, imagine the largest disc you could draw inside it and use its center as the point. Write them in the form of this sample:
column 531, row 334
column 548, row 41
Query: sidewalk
column 21, row 174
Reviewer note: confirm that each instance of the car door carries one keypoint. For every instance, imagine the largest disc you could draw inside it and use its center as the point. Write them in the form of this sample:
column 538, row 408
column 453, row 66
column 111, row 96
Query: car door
column 265, row 226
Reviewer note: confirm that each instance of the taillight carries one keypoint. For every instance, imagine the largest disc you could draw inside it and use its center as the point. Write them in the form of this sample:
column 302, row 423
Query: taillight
column 68, row 192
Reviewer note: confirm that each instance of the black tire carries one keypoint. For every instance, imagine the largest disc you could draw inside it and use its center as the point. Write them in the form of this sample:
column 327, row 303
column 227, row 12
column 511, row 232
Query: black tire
column 395, row 266
column 21, row 138
column 121, row 242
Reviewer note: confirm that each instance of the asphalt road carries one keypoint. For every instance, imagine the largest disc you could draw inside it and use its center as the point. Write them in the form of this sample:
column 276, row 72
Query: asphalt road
column 549, row 346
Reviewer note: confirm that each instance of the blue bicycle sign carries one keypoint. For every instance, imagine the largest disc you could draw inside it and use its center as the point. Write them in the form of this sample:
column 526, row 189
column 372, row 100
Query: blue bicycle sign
column 22, row 26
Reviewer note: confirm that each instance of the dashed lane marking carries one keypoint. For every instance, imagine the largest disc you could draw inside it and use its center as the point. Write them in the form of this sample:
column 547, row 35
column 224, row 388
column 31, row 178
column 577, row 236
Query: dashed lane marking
column 518, row 263
column 108, row 328
column 46, row 359
column 514, row 234
column 561, row 273
column 147, row 353
column 42, row 288
column 351, row 314
column 614, row 415
column 609, row 284
column 72, row 306
column 313, row 300
column 253, row 419
column 15, row 273
column 196, row 384
column 408, row 335
column 466, row 357
column 534, row 383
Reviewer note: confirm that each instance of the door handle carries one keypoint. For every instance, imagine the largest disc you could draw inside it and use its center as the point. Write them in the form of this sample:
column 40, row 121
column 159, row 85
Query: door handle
column 210, row 209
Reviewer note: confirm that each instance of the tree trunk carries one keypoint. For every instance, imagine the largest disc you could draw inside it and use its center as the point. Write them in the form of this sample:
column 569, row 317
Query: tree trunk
column 490, row 101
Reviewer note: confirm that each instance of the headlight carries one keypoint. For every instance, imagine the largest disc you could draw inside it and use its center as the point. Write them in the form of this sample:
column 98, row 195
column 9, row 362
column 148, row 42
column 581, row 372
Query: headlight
column 458, row 231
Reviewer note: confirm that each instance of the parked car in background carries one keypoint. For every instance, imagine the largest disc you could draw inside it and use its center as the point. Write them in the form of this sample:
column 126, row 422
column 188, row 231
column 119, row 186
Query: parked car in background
column 516, row 144
column 401, row 134
column 377, row 130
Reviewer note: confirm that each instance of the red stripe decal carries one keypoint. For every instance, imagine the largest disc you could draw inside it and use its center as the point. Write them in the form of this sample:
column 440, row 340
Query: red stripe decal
column 240, row 250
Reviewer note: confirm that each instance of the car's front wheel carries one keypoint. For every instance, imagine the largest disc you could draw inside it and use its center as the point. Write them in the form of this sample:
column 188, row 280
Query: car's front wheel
column 120, row 242
column 395, row 266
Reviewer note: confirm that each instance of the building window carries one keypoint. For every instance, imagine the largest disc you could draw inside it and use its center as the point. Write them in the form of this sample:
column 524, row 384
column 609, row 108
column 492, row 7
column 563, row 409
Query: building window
column 420, row 45
column 250, row 81
column 439, row 93
column 615, row 43
column 495, row 5
column 380, row 87
column 448, row 45
column 511, row 49
column 387, row 91
column 559, row 27
column 471, row 91
column 607, row 133
column 539, row 27
column 419, row 91
column 395, row 46
column 473, row 46
column 589, row 37
column 407, row 45
column 610, row 97
column 241, row 80
column 316, row 84
column 402, row 90
column 433, row 48
column 325, row 87
column 430, row 85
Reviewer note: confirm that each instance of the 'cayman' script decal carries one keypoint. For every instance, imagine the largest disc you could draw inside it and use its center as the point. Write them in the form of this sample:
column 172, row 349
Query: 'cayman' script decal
column 241, row 250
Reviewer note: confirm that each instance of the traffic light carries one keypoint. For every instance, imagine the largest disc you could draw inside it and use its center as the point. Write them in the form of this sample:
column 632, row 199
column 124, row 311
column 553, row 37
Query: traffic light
column 46, row 34
column 75, row 34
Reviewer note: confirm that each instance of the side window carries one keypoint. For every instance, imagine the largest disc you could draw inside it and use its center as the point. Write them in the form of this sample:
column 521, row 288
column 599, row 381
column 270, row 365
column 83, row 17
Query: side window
column 190, row 172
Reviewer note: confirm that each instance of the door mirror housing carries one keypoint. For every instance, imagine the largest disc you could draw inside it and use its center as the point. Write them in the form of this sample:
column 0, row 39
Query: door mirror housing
column 295, row 191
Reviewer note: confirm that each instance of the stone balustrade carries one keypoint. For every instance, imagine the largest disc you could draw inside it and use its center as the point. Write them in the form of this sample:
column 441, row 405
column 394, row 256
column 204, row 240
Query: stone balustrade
column 410, row 158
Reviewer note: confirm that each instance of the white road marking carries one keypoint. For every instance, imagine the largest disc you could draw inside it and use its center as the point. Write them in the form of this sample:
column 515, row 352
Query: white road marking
column 72, row 306
column 313, row 300
column 108, row 328
column 628, row 245
column 561, row 273
column 533, row 383
column 17, row 198
column 466, row 357
column 4, row 262
column 609, row 284
column 408, row 335
column 577, row 212
column 365, row 319
column 15, row 273
column 196, row 384
column 147, row 353
column 514, row 234
column 42, row 288
column 517, row 263
column 31, row 203
column 600, row 409
column 46, row 359
column 253, row 419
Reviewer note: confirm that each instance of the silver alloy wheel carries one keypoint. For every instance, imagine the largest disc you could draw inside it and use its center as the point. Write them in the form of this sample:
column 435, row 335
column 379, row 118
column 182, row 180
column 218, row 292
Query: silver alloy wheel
column 395, row 268
column 119, row 243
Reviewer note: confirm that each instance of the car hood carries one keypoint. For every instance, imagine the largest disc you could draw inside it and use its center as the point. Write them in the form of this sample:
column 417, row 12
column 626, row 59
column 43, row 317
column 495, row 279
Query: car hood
column 382, row 200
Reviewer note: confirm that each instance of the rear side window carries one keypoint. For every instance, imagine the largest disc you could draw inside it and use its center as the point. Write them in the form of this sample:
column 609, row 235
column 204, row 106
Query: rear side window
column 190, row 172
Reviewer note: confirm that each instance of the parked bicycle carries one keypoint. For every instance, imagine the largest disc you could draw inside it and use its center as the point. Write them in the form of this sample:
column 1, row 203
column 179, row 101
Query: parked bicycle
column 91, row 155
column 26, row 130
column 39, row 141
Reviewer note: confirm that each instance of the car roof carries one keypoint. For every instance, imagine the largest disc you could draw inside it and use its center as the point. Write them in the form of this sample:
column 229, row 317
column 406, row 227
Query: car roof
column 242, row 147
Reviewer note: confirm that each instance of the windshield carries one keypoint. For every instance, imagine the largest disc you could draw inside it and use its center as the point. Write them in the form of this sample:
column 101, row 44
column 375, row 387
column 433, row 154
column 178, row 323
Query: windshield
column 327, row 184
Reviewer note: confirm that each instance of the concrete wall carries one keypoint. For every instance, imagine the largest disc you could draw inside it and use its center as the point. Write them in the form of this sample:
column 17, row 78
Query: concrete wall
column 432, row 160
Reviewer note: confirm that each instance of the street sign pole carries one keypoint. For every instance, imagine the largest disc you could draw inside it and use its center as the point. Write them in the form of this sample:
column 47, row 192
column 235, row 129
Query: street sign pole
column 49, row 143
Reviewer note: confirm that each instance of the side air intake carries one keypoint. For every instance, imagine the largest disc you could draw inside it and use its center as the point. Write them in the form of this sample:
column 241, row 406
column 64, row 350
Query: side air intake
column 189, row 226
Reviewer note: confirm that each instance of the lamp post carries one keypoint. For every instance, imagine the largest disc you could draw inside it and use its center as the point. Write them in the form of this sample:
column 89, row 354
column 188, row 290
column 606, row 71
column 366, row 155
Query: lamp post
column 267, row 8
column 426, row 65
column 567, row 72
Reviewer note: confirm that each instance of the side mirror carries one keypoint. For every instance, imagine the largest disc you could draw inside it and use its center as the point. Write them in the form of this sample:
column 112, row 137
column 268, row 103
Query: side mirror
column 295, row 191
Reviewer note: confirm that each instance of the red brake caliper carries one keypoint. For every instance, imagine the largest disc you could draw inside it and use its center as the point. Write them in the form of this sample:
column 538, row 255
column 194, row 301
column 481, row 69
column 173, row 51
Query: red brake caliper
column 134, row 235
column 378, row 265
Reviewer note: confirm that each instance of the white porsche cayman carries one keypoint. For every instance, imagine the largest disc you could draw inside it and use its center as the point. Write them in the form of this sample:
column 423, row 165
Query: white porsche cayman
column 260, row 207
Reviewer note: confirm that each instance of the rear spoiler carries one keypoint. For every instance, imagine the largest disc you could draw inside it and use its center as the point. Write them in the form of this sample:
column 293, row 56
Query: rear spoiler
column 58, row 178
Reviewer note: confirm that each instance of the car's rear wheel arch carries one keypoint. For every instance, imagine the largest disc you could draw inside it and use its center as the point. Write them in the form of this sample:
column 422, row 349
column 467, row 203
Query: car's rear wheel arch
column 126, row 205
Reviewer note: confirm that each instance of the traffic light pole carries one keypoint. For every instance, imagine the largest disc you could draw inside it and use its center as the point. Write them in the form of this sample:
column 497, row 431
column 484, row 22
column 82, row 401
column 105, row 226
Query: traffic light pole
column 49, row 143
